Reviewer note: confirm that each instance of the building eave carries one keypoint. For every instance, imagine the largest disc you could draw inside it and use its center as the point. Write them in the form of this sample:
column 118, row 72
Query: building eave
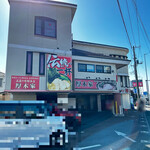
column 100, row 45
column 50, row 2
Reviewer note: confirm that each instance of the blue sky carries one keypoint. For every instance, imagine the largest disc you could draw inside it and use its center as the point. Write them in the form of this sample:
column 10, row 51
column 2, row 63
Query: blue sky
column 97, row 21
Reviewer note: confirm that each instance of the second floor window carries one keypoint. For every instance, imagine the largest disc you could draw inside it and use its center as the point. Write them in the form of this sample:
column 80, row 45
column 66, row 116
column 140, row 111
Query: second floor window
column 121, row 81
column 103, row 69
column 42, row 64
column 86, row 68
column 29, row 61
column 45, row 27
column 1, row 82
column 90, row 68
column 107, row 69
column 99, row 68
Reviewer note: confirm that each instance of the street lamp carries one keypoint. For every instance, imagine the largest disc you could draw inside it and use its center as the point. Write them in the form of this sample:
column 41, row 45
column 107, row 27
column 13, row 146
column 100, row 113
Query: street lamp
column 147, row 86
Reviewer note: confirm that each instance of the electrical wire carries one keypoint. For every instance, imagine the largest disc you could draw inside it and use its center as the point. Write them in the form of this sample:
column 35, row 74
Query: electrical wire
column 141, row 20
column 130, row 22
column 124, row 24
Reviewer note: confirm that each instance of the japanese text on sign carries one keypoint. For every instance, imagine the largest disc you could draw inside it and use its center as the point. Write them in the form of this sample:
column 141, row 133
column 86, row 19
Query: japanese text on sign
column 24, row 83
column 59, row 72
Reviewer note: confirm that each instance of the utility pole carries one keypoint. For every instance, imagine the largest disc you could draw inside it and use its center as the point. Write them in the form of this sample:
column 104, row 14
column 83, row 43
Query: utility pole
column 147, row 86
column 136, row 76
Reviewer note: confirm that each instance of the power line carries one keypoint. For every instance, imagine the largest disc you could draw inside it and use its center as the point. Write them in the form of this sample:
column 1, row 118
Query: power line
column 126, row 32
column 145, row 39
column 124, row 23
column 130, row 22
column 141, row 20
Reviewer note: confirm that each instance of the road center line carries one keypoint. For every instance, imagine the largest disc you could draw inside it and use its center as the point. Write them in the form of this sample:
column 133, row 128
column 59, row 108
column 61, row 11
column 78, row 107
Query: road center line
column 87, row 147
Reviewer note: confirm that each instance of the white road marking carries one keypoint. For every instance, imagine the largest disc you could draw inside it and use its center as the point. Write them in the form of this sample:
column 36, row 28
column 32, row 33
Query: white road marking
column 87, row 147
column 124, row 135
column 148, row 145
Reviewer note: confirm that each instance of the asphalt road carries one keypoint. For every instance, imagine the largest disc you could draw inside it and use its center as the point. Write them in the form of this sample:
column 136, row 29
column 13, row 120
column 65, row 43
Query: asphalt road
column 130, row 132
column 102, row 131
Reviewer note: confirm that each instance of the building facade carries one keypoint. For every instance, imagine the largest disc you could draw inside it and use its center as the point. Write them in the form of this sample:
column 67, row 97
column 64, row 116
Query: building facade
column 45, row 63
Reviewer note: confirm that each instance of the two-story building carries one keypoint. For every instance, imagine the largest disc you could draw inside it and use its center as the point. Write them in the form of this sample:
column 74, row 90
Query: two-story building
column 45, row 63
column 96, row 69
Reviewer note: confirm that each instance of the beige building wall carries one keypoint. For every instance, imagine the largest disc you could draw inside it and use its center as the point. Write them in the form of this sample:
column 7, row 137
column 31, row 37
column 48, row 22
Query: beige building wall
column 22, row 39
column 24, row 96
column 123, row 70
column 22, row 23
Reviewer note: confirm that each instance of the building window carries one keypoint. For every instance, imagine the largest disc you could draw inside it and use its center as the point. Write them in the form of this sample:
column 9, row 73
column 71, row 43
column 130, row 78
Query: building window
column 103, row 69
column 81, row 67
column 107, row 69
column 45, row 27
column 1, row 82
column 121, row 81
column 99, row 69
column 29, row 60
column 90, row 68
column 126, row 81
column 86, row 68
column 42, row 64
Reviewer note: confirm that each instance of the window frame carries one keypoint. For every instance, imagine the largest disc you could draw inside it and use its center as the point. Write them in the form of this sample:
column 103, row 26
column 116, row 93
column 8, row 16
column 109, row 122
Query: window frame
column 43, row 19
column 40, row 54
column 102, row 68
column 2, row 82
column 126, row 81
column 90, row 65
column 86, row 68
column 107, row 72
column 121, row 81
column 29, row 52
column 79, row 65
column 103, row 71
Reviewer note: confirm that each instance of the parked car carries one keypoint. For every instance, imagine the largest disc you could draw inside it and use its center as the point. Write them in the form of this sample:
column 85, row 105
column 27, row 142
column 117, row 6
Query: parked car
column 72, row 117
column 28, row 124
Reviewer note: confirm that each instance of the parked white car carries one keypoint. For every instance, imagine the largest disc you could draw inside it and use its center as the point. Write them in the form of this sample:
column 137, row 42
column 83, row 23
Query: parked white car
column 29, row 124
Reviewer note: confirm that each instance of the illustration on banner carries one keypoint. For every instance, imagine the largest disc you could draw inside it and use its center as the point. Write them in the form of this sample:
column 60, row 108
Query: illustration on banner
column 59, row 72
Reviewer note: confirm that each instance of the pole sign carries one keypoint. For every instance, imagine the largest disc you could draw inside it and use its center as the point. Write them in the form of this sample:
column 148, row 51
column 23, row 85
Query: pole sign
column 145, row 93
column 140, row 83
column 59, row 72
column 135, row 91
